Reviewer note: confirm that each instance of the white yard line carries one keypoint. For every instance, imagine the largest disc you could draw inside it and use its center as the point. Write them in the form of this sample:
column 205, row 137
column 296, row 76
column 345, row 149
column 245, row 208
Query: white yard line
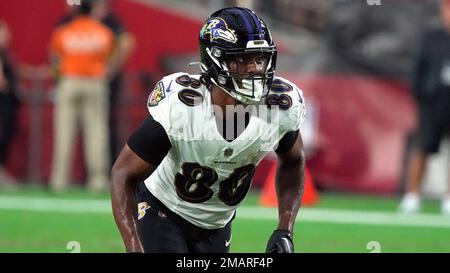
column 54, row 204
column 339, row 216
column 346, row 216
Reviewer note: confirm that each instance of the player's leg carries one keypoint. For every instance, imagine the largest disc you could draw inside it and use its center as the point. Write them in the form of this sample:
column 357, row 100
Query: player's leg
column 159, row 231
column 432, row 121
column 441, row 122
column 424, row 142
column 65, row 120
column 415, row 171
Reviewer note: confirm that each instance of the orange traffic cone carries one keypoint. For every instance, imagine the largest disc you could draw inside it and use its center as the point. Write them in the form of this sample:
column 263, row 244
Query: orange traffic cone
column 268, row 197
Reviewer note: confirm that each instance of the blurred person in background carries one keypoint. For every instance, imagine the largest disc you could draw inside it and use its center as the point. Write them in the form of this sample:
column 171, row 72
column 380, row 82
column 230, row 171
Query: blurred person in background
column 124, row 41
column 8, row 103
column 81, row 50
column 431, row 90
column 101, row 10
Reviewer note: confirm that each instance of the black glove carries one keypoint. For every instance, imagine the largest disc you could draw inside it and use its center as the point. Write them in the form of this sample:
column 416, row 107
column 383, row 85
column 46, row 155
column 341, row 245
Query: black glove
column 280, row 242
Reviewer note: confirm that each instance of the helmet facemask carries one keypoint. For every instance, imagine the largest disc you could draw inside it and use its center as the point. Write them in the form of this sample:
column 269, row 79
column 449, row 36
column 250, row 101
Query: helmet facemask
column 232, row 76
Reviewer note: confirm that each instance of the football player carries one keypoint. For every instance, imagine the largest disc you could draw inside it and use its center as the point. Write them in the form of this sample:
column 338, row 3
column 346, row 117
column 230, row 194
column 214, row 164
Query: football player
column 181, row 176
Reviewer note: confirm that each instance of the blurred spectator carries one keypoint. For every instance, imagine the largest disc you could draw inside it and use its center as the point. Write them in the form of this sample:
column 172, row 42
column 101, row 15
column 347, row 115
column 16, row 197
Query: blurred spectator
column 8, row 103
column 81, row 49
column 101, row 10
column 124, row 46
column 431, row 89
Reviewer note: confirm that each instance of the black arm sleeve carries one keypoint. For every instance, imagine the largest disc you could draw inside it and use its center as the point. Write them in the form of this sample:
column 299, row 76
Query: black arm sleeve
column 287, row 141
column 150, row 141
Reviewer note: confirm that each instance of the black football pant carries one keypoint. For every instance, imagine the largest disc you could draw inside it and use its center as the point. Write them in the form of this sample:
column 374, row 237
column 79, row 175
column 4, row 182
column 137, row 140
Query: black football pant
column 160, row 230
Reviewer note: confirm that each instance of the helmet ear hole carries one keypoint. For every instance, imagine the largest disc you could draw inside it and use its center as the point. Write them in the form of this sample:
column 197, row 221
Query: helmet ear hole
column 216, row 52
column 222, row 79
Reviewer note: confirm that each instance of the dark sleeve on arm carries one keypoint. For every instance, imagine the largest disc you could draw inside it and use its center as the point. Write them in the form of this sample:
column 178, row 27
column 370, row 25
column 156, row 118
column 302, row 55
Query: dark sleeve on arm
column 113, row 23
column 150, row 141
column 287, row 142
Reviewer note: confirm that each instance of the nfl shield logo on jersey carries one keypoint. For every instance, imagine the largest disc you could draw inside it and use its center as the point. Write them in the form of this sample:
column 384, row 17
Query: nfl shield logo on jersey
column 228, row 152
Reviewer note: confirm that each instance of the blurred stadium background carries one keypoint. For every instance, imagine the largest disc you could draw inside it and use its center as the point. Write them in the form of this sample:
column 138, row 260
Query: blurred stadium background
column 352, row 60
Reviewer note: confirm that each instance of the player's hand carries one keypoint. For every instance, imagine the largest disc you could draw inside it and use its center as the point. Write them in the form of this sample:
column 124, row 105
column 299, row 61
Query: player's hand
column 280, row 242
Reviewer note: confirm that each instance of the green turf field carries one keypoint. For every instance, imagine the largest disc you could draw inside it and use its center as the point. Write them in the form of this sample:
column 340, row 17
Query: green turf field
column 33, row 220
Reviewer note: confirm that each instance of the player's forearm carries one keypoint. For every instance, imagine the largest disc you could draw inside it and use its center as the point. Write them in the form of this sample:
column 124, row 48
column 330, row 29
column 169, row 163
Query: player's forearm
column 290, row 184
column 124, row 210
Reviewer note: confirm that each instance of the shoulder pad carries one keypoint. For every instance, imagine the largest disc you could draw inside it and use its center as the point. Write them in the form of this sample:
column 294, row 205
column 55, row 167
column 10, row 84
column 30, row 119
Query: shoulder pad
column 289, row 99
column 284, row 94
column 280, row 85
column 176, row 83
column 181, row 80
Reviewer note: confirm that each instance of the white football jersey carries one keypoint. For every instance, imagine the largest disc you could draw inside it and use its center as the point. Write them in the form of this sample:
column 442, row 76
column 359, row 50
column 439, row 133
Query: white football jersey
column 204, row 177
